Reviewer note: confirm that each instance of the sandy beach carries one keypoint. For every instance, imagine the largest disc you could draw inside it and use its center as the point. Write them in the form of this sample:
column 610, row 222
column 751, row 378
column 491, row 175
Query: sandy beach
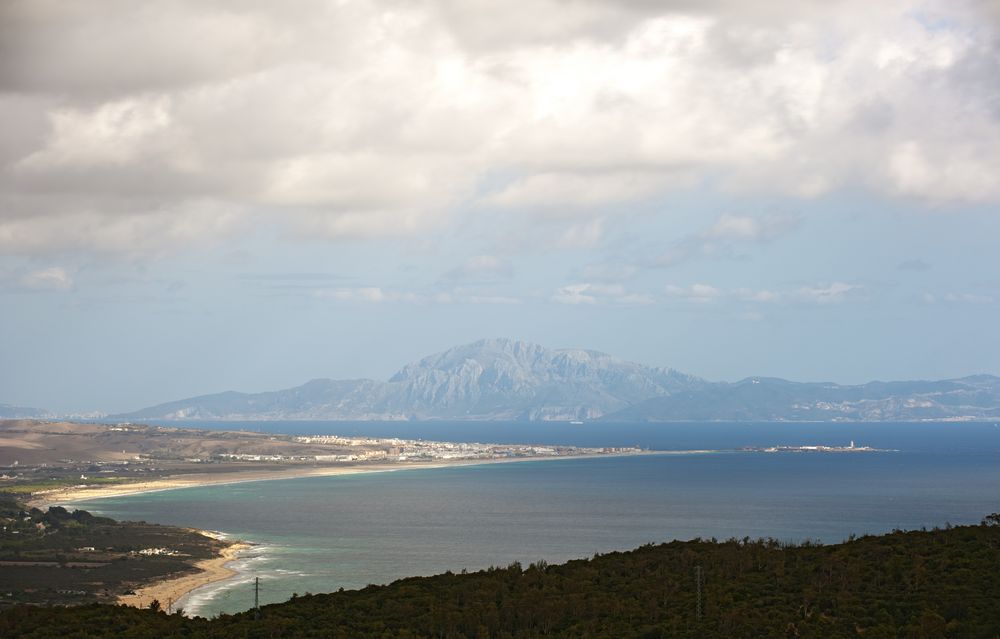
column 84, row 493
column 195, row 480
column 169, row 591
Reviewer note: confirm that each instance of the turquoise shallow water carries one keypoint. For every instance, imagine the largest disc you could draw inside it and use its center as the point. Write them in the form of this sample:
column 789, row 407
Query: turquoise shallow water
column 320, row 534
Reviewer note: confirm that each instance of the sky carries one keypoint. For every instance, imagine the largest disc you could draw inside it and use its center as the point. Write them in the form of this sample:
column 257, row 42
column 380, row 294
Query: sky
column 199, row 195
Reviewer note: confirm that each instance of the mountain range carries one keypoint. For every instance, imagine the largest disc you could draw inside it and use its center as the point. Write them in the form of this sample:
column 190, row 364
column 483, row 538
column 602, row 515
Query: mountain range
column 8, row 411
column 502, row 379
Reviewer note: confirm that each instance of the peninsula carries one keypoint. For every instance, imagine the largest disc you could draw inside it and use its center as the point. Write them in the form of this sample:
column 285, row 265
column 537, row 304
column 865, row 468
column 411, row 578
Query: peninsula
column 57, row 462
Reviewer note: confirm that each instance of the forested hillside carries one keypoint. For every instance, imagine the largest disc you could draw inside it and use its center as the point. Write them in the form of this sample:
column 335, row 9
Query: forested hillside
column 61, row 557
column 919, row 584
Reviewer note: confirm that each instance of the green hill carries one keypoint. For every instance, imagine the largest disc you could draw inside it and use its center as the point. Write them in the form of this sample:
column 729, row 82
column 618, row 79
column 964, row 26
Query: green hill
column 919, row 584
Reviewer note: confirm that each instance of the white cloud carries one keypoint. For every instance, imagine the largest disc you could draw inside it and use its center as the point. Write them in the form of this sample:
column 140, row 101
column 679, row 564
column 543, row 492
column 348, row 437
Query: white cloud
column 821, row 294
column 574, row 294
column 565, row 190
column 609, row 272
column 130, row 235
column 818, row 294
column 474, row 295
column 50, row 279
column 595, row 293
column 956, row 173
column 584, row 235
column 482, row 267
column 833, row 293
column 378, row 117
column 359, row 294
column 113, row 134
column 968, row 298
column 591, row 293
column 695, row 292
column 379, row 295
column 492, row 299
column 750, row 228
column 724, row 235
column 958, row 298
column 756, row 295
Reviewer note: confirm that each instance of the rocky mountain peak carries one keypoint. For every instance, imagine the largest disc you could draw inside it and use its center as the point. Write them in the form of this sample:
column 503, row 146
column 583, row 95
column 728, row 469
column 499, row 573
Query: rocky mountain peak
column 507, row 379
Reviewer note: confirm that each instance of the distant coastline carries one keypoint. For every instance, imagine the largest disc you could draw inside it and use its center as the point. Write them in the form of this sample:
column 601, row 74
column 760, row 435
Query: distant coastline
column 63, row 496
column 66, row 496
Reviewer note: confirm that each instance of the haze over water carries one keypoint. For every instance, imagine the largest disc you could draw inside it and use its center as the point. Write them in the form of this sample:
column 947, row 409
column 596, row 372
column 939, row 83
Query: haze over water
column 320, row 534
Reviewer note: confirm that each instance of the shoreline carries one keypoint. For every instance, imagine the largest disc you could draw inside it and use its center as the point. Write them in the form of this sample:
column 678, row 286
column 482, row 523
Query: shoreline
column 171, row 590
column 63, row 496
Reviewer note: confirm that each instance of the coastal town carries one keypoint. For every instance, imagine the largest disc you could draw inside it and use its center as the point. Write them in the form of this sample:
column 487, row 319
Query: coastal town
column 408, row 450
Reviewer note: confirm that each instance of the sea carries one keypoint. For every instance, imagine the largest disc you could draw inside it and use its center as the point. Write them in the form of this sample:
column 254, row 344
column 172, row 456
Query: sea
column 324, row 533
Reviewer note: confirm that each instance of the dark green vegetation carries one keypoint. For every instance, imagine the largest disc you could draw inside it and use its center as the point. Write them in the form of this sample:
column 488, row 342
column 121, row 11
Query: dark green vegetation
column 62, row 557
column 920, row 584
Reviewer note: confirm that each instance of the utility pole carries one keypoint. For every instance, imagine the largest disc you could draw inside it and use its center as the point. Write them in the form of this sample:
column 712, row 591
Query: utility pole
column 256, row 598
column 170, row 605
column 697, row 585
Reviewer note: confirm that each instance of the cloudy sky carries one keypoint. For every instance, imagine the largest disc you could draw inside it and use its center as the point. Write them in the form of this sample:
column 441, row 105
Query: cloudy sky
column 201, row 195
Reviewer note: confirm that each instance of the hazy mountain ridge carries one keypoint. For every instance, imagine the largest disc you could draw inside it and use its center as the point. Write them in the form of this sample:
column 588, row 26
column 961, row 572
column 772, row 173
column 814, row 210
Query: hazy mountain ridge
column 770, row 399
column 316, row 399
column 501, row 379
column 488, row 379
column 8, row 411
column 519, row 380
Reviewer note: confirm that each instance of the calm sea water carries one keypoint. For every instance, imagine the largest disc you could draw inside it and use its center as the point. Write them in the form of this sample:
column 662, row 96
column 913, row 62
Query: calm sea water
column 320, row 534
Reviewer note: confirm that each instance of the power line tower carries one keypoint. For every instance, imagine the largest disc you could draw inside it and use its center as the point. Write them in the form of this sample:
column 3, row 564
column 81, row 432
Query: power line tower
column 256, row 598
column 697, row 585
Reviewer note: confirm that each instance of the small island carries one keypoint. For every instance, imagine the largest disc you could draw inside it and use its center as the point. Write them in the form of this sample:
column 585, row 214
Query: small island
column 851, row 448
